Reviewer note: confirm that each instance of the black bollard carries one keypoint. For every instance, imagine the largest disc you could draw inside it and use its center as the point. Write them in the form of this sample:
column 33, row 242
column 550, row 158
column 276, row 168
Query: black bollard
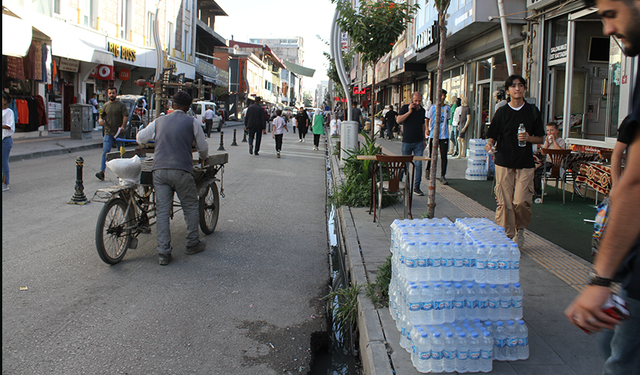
column 79, row 197
column 244, row 136
column 234, row 138
column 221, row 148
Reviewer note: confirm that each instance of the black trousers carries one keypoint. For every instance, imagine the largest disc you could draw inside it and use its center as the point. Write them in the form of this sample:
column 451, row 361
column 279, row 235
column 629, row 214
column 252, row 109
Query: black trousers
column 443, row 146
column 316, row 139
column 279, row 142
column 302, row 130
column 257, row 134
column 208, row 125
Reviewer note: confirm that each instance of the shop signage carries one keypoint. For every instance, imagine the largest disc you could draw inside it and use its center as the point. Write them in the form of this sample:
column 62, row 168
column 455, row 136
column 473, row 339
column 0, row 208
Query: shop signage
column 122, row 52
column 427, row 37
column 103, row 72
column 345, row 40
column 124, row 74
column 336, row 99
column 357, row 91
column 69, row 65
column 397, row 63
column 558, row 52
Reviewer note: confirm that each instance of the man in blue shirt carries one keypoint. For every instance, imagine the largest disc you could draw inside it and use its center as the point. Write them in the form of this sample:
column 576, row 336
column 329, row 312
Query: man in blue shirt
column 442, row 133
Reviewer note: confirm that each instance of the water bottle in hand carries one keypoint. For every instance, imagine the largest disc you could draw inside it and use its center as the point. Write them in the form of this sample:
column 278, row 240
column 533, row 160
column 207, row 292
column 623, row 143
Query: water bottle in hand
column 521, row 129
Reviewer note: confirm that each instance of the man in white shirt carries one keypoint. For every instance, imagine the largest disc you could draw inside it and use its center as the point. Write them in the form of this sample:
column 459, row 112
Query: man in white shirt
column 208, row 120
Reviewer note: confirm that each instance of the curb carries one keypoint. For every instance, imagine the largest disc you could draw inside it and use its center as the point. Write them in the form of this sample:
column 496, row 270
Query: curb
column 61, row 151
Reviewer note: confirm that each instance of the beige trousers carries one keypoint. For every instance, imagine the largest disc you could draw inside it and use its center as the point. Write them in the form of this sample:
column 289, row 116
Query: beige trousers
column 514, row 196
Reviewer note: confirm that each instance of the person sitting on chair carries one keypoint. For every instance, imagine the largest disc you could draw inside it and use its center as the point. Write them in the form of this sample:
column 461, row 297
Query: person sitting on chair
column 551, row 141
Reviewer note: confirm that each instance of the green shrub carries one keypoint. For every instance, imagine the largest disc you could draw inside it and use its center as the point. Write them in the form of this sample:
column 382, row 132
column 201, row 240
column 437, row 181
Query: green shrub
column 378, row 292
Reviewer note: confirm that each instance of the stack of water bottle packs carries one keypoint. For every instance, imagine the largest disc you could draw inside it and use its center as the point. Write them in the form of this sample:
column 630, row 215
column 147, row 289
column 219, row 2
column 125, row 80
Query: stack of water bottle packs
column 477, row 162
column 454, row 294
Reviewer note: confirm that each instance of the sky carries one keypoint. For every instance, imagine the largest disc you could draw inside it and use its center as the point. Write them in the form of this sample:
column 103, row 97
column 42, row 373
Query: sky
column 282, row 18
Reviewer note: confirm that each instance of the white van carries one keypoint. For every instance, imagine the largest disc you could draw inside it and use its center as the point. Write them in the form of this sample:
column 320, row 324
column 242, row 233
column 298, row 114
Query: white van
column 199, row 108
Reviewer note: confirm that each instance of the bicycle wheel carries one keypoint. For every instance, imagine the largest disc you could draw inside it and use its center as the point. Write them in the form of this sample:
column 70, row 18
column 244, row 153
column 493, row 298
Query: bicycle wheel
column 112, row 235
column 209, row 208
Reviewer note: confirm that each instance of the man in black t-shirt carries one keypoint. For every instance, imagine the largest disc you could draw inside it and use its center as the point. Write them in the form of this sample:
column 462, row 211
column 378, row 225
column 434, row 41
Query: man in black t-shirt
column 391, row 123
column 412, row 118
column 515, row 167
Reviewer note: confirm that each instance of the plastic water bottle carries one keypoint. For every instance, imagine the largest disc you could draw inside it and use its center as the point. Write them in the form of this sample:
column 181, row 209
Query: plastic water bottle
column 486, row 352
column 404, row 328
column 469, row 261
column 422, row 261
column 411, row 261
column 516, row 302
column 512, row 341
column 413, row 304
column 483, row 302
column 458, row 262
column 504, row 257
column 446, row 264
column 523, row 340
column 481, row 262
column 499, row 342
column 423, row 353
column 435, row 258
column 514, row 264
column 449, row 314
column 450, row 352
column 493, row 303
column 492, row 264
column 459, row 309
column 438, row 304
column 505, row 301
column 437, row 347
column 462, row 361
column 412, row 335
column 474, row 353
column 521, row 129
column 426, row 309
column 470, row 300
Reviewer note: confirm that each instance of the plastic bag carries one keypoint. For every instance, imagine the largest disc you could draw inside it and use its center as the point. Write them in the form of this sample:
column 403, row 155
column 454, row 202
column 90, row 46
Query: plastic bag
column 127, row 169
column 600, row 225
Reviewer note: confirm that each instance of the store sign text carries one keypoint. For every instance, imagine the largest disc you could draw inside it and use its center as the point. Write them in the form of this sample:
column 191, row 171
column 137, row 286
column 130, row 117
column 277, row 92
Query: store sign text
column 123, row 52
column 558, row 52
column 427, row 38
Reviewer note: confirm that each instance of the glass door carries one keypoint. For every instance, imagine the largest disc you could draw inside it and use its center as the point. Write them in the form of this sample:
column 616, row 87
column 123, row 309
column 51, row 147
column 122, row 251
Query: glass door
column 483, row 108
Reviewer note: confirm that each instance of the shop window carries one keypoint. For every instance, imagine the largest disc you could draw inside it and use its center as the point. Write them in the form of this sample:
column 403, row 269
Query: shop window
column 150, row 25
column 124, row 22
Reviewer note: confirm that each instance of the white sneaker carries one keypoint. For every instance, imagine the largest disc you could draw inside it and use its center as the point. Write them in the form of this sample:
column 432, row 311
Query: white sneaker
column 300, row 140
column 5, row 187
column 278, row 154
column 315, row 148
column 519, row 238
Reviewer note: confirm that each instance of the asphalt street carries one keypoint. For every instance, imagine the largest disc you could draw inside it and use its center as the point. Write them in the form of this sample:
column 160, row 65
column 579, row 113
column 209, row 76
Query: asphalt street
column 249, row 304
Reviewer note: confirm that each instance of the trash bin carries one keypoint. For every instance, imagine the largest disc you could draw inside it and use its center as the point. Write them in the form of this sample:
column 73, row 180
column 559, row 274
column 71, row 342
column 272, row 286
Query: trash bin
column 81, row 121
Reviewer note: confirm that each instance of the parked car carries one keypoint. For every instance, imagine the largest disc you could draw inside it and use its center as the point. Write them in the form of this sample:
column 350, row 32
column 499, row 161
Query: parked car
column 200, row 107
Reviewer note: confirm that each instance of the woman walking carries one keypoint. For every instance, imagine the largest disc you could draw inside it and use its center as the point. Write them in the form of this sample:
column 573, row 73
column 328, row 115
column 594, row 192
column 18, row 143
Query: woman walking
column 317, row 128
column 302, row 122
column 8, row 128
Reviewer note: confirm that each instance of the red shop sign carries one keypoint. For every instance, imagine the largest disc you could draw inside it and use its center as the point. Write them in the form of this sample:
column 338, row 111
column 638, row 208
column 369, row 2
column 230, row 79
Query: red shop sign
column 124, row 74
column 103, row 72
column 356, row 91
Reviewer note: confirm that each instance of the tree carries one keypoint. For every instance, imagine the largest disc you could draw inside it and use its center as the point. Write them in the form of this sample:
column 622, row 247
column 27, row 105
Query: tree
column 374, row 28
column 441, row 7
column 307, row 99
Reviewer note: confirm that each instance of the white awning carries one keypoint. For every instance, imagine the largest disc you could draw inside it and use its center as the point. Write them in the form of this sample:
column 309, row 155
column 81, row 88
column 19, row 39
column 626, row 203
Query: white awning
column 68, row 40
column 16, row 36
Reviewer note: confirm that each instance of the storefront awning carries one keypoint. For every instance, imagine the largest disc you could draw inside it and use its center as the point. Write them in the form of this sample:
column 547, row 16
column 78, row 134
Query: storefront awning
column 299, row 70
column 67, row 40
column 16, row 36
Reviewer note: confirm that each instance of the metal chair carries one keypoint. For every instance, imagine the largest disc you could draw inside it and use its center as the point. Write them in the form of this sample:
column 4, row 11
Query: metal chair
column 390, row 171
column 558, row 161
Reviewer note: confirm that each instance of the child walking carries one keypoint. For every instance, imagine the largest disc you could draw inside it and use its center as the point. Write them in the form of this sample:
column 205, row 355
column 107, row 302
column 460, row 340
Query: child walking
column 279, row 126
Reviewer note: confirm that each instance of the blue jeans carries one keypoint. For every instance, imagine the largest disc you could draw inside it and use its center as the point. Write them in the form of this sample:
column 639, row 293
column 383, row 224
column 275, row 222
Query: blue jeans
column 107, row 145
column 7, row 143
column 165, row 183
column 415, row 149
column 621, row 346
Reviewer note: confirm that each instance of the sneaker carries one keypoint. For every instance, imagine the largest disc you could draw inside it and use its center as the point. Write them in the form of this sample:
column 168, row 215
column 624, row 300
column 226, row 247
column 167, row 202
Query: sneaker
column 251, row 150
column 5, row 187
column 418, row 192
column 300, row 140
column 100, row 175
column 257, row 153
column 278, row 154
column 519, row 238
column 199, row 247
column 315, row 148
column 443, row 181
column 164, row 259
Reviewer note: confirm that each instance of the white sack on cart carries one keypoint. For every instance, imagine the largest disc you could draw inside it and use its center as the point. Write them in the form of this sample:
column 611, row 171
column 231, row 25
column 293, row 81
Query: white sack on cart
column 127, row 169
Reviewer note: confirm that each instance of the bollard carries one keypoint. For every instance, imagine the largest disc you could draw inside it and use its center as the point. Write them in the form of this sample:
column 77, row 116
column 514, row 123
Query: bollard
column 221, row 148
column 234, row 138
column 79, row 197
column 244, row 136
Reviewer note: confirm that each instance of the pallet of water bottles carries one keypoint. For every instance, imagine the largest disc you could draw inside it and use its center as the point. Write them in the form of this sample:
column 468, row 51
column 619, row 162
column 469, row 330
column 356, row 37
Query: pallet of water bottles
column 479, row 162
column 459, row 273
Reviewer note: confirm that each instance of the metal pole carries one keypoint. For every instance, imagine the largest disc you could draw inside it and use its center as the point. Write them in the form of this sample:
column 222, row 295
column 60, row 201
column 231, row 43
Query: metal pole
column 505, row 38
column 234, row 138
column 79, row 197
column 221, row 148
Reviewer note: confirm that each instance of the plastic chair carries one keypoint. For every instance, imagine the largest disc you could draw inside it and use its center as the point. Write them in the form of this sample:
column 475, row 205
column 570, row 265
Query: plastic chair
column 390, row 170
column 558, row 161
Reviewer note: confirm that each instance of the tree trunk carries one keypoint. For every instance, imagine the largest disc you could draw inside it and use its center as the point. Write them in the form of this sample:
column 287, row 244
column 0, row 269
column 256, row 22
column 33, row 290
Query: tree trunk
column 436, row 119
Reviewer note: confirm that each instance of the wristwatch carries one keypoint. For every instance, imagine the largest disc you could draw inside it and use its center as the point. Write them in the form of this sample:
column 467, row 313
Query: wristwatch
column 594, row 279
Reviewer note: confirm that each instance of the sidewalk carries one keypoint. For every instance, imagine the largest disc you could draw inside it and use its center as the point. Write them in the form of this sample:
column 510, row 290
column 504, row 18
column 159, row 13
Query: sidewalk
column 34, row 145
column 550, row 276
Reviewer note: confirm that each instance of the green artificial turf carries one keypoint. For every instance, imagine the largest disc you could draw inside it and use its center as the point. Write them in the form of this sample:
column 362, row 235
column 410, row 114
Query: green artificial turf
column 558, row 223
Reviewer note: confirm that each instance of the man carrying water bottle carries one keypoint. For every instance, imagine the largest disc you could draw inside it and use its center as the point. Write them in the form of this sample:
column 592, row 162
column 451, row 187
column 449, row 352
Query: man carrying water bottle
column 515, row 166
column 618, row 257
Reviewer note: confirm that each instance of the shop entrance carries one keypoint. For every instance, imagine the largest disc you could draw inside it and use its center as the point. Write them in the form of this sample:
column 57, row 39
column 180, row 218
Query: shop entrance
column 485, row 105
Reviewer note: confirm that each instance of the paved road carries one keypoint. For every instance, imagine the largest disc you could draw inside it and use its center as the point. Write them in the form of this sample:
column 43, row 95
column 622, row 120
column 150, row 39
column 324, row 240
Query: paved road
column 247, row 305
